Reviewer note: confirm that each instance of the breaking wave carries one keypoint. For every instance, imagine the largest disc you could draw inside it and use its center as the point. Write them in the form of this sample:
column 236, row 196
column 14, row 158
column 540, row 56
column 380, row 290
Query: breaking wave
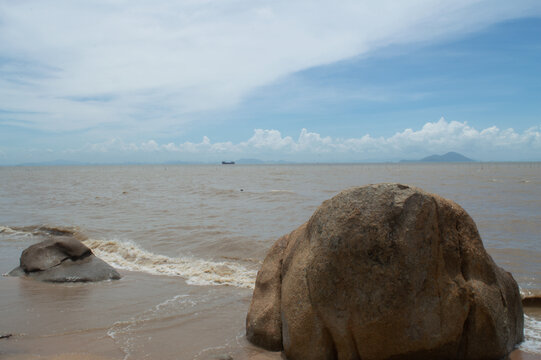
column 129, row 256
column 43, row 230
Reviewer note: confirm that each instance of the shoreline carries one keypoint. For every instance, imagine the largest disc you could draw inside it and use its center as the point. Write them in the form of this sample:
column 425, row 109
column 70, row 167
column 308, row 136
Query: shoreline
column 198, row 214
column 521, row 355
column 265, row 355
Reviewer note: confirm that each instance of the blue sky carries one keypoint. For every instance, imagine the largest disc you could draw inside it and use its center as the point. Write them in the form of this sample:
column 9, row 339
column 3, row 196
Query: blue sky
column 300, row 81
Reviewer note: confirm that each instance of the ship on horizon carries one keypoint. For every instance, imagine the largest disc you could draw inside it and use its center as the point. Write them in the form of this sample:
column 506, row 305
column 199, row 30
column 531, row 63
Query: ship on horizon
column 228, row 163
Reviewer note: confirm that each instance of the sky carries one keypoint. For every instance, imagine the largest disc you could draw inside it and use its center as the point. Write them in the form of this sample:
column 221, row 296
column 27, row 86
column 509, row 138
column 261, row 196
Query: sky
column 305, row 81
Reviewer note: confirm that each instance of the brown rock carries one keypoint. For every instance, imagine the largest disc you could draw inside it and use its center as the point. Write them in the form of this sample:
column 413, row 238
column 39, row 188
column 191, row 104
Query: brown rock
column 264, row 326
column 385, row 272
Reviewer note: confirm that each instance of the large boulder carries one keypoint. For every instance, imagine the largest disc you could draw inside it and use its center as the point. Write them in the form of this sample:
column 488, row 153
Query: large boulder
column 385, row 271
column 63, row 259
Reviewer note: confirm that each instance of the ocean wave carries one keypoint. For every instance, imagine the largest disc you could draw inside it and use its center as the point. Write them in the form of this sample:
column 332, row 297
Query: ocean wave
column 239, row 191
column 530, row 293
column 13, row 231
column 7, row 230
column 280, row 191
column 43, row 230
column 129, row 256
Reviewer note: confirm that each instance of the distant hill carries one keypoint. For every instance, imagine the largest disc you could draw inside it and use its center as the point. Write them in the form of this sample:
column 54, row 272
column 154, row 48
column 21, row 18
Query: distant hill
column 449, row 157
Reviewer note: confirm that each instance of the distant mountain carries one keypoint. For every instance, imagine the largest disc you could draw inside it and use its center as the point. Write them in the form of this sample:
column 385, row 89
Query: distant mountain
column 449, row 157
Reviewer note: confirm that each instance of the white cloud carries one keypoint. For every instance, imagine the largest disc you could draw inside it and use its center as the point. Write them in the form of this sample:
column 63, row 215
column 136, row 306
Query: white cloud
column 77, row 65
column 489, row 144
column 269, row 139
column 447, row 136
column 150, row 145
column 111, row 145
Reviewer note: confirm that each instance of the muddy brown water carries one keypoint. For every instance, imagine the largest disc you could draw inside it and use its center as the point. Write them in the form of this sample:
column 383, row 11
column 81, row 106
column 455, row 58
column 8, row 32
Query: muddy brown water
column 189, row 242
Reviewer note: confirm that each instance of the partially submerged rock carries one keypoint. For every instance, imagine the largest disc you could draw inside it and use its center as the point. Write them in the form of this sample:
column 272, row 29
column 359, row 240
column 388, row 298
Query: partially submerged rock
column 532, row 301
column 63, row 259
column 385, row 271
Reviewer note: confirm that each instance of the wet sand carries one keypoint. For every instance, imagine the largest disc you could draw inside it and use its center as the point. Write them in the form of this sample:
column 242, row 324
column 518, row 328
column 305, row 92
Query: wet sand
column 119, row 320
column 521, row 355
column 103, row 347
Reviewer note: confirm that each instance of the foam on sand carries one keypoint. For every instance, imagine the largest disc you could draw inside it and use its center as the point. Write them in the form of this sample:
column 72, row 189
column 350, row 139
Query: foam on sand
column 532, row 335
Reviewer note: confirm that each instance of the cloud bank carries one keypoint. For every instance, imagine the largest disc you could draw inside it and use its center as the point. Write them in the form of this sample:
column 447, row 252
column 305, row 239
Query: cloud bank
column 490, row 144
column 69, row 65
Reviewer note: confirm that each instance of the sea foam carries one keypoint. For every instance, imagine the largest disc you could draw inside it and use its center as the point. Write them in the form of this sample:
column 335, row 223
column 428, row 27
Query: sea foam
column 14, row 231
column 532, row 335
column 128, row 255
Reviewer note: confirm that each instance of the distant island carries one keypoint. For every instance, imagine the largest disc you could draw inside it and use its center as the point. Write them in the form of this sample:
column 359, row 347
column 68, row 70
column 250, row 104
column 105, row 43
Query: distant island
column 449, row 157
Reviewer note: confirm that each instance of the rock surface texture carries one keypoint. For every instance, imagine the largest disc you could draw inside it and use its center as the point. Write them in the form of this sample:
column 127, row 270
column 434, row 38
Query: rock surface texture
column 385, row 271
column 63, row 259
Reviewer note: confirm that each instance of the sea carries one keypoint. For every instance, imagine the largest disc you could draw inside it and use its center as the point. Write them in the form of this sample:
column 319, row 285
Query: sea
column 189, row 240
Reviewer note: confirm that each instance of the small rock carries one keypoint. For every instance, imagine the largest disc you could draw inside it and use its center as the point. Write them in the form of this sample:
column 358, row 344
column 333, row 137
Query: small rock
column 63, row 259
column 532, row 301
